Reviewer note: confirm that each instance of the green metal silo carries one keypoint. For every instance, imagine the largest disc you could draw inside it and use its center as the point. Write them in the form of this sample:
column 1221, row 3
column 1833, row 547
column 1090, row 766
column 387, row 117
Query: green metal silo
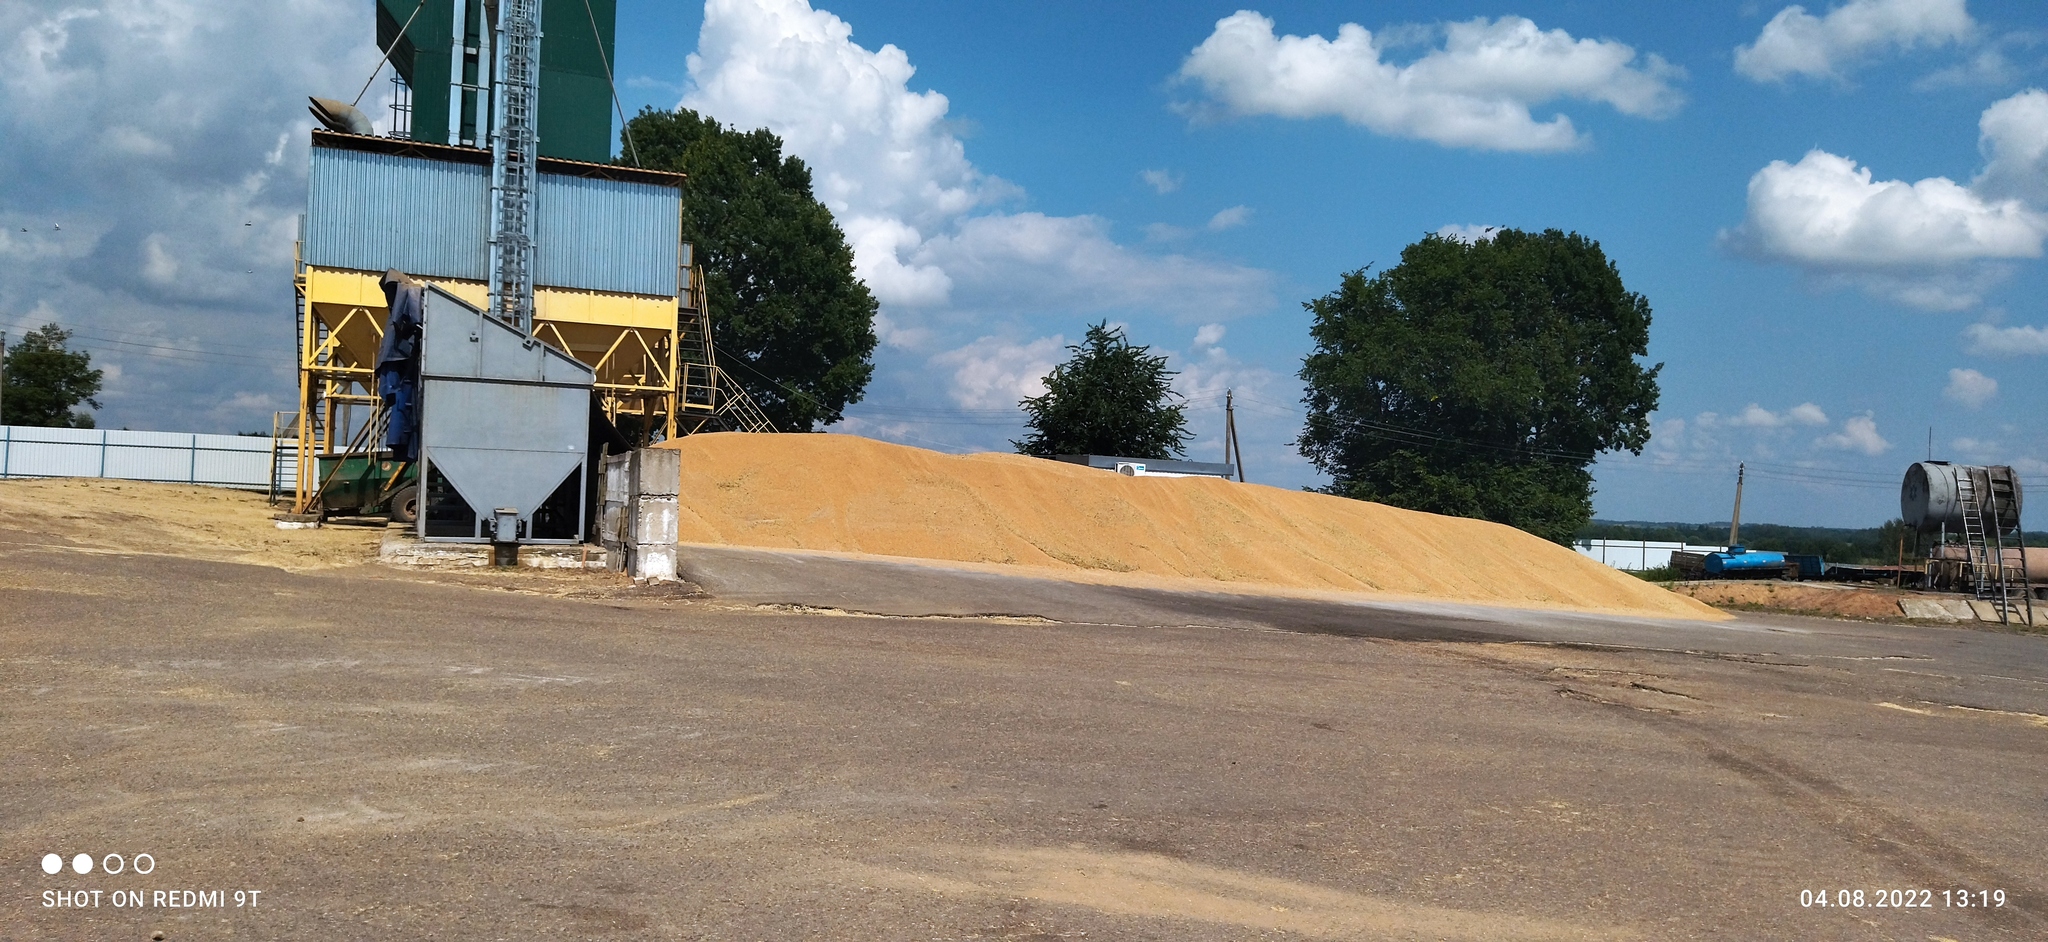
column 444, row 57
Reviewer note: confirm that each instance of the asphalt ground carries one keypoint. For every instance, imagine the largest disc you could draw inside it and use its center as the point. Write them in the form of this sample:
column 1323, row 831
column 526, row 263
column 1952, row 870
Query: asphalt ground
column 397, row 755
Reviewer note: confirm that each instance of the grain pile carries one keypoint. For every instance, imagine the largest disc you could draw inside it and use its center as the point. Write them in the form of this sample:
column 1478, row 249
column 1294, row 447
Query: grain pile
column 841, row 493
column 99, row 515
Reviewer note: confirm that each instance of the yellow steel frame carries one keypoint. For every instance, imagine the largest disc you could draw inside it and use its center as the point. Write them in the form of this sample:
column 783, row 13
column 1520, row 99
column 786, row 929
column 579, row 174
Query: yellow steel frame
column 630, row 340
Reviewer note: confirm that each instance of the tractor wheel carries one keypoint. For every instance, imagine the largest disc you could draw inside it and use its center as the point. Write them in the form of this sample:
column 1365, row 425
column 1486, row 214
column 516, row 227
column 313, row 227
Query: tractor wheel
column 405, row 505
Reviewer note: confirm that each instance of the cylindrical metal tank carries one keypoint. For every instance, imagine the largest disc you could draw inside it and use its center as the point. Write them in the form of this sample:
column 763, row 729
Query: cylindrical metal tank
column 1930, row 499
column 1740, row 561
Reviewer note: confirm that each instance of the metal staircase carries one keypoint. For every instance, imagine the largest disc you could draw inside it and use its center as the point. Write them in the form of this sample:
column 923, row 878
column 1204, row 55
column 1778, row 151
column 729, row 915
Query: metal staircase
column 710, row 399
column 1992, row 568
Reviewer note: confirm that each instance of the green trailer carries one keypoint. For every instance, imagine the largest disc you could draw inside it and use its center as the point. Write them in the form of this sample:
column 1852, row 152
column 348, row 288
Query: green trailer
column 369, row 485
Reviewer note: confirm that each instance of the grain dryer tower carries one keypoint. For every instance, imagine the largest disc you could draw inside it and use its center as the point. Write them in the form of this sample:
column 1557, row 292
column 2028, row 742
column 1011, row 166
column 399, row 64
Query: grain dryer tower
column 485, row 198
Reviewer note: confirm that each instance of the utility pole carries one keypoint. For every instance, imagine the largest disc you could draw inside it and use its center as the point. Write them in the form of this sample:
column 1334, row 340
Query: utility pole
column 1735, row 525
column 1230, row 446
column 3, row 377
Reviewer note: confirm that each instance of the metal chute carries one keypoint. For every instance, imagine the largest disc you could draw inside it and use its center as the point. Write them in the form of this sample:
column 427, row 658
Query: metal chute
column 340, row 116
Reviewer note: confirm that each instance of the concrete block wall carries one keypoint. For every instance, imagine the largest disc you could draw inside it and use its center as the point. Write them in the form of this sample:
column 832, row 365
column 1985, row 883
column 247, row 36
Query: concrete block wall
column 638, row 523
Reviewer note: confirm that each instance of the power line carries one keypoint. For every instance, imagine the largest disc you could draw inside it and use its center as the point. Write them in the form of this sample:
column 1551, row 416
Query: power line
column 111, row 332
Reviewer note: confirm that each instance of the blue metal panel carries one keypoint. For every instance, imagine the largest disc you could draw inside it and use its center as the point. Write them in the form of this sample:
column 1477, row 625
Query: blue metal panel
column 376, row 211
column 370, row 211
column 607, row 235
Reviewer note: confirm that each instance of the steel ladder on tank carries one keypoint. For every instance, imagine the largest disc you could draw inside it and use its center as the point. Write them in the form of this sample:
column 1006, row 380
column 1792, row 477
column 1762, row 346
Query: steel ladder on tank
column 1984, row 540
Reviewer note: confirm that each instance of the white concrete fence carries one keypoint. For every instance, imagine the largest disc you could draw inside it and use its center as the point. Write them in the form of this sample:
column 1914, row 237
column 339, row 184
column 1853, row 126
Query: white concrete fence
column 245, row 462
column 1637, row 555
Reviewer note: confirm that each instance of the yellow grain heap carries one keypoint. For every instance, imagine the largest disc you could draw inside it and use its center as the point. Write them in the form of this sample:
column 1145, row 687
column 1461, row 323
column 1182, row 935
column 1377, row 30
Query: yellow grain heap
column 841, row 493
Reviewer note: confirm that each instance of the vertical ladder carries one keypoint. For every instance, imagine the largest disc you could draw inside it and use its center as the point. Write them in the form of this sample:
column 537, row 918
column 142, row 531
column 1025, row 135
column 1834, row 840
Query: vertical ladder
column 514, row 150
column 2002, row 591
column 1974, row 546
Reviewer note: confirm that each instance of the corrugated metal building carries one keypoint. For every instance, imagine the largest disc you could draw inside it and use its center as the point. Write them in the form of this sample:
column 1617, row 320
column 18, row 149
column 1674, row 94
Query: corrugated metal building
column 428, row 216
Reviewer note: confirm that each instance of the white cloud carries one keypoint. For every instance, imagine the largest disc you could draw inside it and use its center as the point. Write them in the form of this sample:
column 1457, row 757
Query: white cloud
column 1467, row 233
column 1859, row 433
column 1805, row 413
column 924, row 223
column 2013, row 134
column 1161, row 181
column 1991, row 340
column 1209, row 335
column 878, row 148
column 991, row 373
column 878, row 244
column 1970, row 388
column 1796, row 42
column 1475, row 90
column 1923, row 243
column 1825, row 210
column 1230, row 218
column 892, row 334
column 1756, row 416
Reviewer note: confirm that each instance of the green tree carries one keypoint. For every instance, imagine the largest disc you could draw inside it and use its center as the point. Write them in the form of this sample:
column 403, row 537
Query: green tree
column 1109, row 398
column 1480, row 379
column 777, row 270
column 45, row 380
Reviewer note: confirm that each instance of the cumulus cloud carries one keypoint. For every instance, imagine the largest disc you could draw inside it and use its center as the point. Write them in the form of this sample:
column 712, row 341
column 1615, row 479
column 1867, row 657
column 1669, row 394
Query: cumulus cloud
column 1932, row 244
column 177, row 174
column 878, row 149
column 1995, row 341
column 1474, row 90
column 1209, row 335
column 926, row 225
column 1756, row 416
column 1161, row 181
column 1969, row 388
column 1796, row 42
column 1827, row 211
column 1858, row 434
column 2013, row 134
column 992, row 373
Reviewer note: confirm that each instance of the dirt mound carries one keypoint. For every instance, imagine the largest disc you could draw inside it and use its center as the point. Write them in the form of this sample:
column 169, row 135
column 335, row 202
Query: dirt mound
column 174, row 520
column 841, row 493
column 1834, row 601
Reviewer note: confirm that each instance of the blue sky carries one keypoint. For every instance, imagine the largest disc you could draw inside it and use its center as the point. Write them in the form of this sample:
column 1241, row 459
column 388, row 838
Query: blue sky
column 1009, row 173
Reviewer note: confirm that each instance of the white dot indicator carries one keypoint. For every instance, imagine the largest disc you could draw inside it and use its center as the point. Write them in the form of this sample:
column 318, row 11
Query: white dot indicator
column 82, row 863
column 52, row 863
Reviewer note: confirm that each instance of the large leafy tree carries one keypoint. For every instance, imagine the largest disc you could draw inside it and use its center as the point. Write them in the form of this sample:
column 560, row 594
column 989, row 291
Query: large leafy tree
column 1480, row 379
column 46, row 380
column 790, row 321
column 1109, row 398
